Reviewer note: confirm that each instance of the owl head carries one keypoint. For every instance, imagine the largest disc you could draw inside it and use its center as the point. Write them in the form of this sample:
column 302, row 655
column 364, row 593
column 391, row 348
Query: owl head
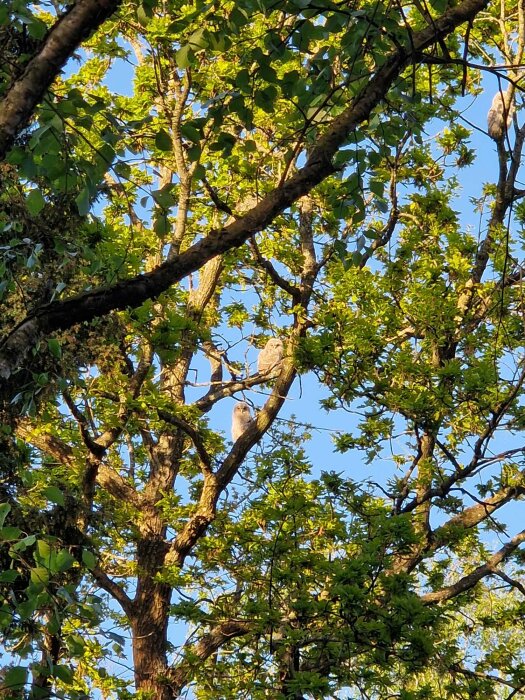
column 242, row 409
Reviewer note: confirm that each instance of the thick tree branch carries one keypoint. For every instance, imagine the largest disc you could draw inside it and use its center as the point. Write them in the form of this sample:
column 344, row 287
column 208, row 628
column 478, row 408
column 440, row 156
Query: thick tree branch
column 133, row 292
column 50, row 444
column 466, row 520
column 25, row 93
column 116, row 486
column 469, row 581
column 116, row 591
column 470, row 517
column 106, row 477
column 207, row 646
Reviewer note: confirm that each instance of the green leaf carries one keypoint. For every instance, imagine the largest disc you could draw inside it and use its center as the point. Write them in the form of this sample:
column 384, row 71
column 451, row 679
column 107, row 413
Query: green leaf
column 37, row 28
column 64, row 560
column 184, row 57
column 35, row 202
column 39, row 576
column 161, row 225
column 28, row 541
column 268, row 72
column 64, row 673
column 143, row 16
column 27, row 607
column 10, row 533
column 89, row 559
column 166, row 197
column 190, row 132
column 4, row 510
column 163, row 141
column 219, row 42
column 198, row 40
column 377, row 187
column 224, row 143
column 75, row 644
column 43, row 551
column 14, row 678
column 194, row 153
column 381, row 204
column 54, row 347
column 82, row 201
column 265, row 98
column 9, row 575
column 243, row 80
column 55, row 495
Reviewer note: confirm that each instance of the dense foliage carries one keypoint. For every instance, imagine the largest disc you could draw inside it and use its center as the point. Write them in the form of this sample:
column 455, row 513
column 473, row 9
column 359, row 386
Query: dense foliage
column 181, row 183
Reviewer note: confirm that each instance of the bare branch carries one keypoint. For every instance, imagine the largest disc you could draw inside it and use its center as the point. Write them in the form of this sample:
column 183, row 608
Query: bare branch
column 221, row 391
column 116, row 591
column 95, row 449
column 456, row 668
column 512, row 582
column 193, row 434
column 272, row 272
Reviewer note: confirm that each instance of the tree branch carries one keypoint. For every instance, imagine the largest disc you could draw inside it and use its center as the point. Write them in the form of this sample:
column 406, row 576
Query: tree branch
column 25, row 93
column 205, row 647
column 222, row 390
column 467, row 519
column 116, row 486
column 512, row 582
column 116, row 591
column 214, row 484
column 469, row 581
column 276, row 278
column 133, row 292
column 50, row 444
column 193, row 434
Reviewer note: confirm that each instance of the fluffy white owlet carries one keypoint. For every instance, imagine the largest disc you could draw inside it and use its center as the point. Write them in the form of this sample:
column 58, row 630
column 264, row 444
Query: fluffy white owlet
column 496, row 116
column 241, row 419
column 270, row 356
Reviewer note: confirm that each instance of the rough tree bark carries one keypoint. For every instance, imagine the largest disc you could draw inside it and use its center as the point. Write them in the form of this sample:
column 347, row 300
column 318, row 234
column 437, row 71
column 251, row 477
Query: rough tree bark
column 64, row 37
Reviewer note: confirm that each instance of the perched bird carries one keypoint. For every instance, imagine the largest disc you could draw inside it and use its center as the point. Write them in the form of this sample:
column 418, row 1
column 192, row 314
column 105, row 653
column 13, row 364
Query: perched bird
column 241, row 419
column 270, row 356
column 499, row 117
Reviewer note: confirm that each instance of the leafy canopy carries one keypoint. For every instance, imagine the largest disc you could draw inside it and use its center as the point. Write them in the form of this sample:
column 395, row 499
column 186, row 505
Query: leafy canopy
column 181, row 183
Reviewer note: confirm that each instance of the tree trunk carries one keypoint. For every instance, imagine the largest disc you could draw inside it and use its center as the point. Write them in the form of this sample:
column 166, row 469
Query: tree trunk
column 150, row 623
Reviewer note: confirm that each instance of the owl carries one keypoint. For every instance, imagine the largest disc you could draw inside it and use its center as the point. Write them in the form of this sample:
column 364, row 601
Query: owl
column 499, row 109
column 241, row 419
column 270, row 356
